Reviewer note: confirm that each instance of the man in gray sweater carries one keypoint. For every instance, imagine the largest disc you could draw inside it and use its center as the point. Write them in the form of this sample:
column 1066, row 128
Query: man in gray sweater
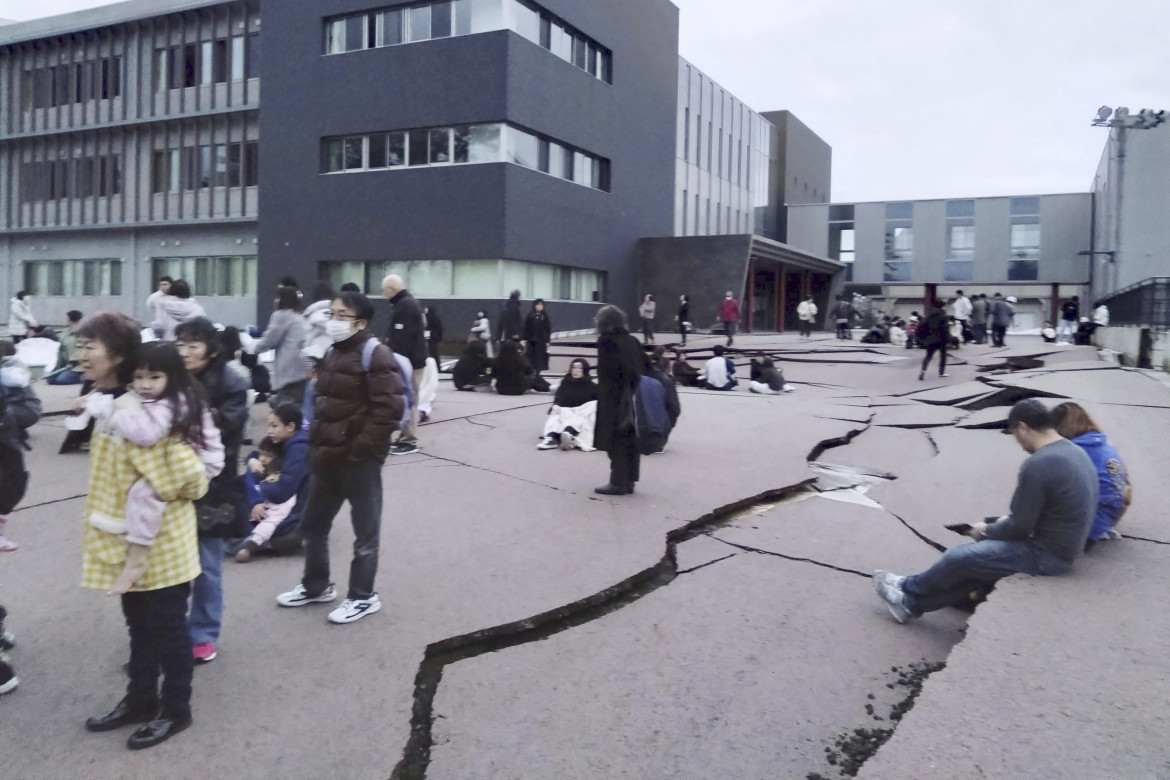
column 1051, row 513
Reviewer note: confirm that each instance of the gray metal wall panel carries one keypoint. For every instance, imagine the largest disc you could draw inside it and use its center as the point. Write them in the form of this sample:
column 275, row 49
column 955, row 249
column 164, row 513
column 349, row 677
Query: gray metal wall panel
column 869, row 220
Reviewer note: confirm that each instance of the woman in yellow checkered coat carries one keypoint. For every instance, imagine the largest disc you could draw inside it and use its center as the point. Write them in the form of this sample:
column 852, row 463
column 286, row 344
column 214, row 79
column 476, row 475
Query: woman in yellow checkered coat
column 156, row 604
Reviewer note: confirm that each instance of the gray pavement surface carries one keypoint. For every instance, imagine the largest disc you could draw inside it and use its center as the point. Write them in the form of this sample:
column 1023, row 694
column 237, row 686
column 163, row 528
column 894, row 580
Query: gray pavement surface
column 718, row 623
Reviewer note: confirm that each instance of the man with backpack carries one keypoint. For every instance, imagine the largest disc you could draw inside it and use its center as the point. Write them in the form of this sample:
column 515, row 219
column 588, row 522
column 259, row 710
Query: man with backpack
column 358, row 405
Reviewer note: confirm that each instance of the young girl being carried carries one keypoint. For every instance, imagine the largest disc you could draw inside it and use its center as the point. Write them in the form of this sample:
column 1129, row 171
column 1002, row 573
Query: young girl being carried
column 163, row 407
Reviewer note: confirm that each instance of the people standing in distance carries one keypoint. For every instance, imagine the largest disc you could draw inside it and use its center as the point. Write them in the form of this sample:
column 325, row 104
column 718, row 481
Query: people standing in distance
column 979, row 311
column 357, row 407
column 406, row 337
column 20, row 317
column 1002, row 313
column 537, row 335
column 729, row 316
column 619, row 368
column 684, row 317
column 226, row 392
column 646, row 311
column 1051, row 513
column 511, row 320
column 174, row 309
column 1070, row 315
column 286, row 334
column 68, row 370
column 806, row 312
column 434, row 332
column 962, row 310
column 155, row 608
column 481, row 330
column 316, row 315
column 164, row 289
column 843, row 311
column 933, row 333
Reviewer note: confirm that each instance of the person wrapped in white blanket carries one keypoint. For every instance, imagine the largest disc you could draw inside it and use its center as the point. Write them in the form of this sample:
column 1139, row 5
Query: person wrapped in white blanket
column 572, row 417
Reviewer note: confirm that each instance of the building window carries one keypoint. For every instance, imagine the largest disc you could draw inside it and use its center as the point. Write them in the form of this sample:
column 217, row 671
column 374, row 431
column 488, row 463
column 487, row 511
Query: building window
column 210, row 276
column 79, row 82
column 899, row 249
column 445, row 18
column 80, row 177
column 460, row 145
column 70, row 278
column 1023, row 264
column 472, row 278
column 196, row 167
column 842, row 237
column 959, row 265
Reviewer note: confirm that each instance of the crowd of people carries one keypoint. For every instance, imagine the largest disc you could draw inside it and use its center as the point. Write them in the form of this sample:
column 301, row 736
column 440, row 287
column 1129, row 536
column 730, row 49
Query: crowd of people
column 164, row 411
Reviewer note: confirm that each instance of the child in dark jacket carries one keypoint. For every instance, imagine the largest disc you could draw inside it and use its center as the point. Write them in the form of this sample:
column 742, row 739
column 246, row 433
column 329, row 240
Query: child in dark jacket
column 274, row 498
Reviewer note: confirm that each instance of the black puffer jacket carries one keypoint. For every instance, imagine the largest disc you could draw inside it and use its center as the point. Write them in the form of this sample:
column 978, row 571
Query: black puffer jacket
column 407, row 336
column 355, row 412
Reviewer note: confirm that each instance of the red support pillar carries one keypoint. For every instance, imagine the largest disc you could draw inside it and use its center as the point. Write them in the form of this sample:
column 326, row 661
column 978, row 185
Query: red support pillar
column 749, row 295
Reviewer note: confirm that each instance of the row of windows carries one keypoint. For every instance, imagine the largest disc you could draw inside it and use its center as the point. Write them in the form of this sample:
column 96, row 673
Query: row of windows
column 73, row 277
column 78, row 82
column 446, row 18
column 82, row 177
column 460, row 145
column 207, row 62
column 209, row 276
column 704, row 222
column 207, row 165
column 956, row 271
column 487, row 279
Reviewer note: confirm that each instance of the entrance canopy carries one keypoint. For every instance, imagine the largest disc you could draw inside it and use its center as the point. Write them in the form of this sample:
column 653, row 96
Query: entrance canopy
column 767, row 277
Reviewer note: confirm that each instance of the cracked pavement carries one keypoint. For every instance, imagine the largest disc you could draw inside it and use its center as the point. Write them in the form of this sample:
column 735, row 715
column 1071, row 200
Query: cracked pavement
column 716, row 623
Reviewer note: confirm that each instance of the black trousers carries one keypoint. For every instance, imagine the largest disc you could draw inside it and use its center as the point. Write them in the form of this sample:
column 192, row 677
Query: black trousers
column 359, row 482
column 682, row 331
column 805, row 328
column 998, row 334
column 843, row 329
column 159, row 642
column 730, row 326
column 941, row 349
column 648, row 329
column 624, row 461
column 538, row 355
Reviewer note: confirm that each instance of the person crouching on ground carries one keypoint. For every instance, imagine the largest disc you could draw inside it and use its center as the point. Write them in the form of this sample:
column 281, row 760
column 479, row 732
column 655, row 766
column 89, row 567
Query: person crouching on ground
column 619, row 368
column 264, row 468
column 1051, row 513
column 719, row 373
column 473, row 368
column 683, row 372
column 156, row 606
column 768, row 379
column 514, row 374
column 573, row 414
column 288, row 492
column 359, row 403
column 1113, row 486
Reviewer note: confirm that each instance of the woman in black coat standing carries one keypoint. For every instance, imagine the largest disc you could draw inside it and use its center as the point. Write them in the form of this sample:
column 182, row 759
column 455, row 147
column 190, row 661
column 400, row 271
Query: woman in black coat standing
column 434, row 332
column 538, row 333
column 619, row 367
column 684, row 316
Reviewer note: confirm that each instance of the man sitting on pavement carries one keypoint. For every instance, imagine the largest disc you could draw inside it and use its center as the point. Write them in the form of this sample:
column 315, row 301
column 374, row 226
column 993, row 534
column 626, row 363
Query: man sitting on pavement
column 1051, row 513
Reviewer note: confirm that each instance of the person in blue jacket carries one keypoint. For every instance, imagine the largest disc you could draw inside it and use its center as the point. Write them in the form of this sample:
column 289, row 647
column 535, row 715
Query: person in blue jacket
column 284, row 427
column 1074, row 423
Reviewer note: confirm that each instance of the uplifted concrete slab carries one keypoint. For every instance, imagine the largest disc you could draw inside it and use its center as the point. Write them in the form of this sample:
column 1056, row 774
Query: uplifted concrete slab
column 991, row 417
column 922, row 416
column 951, row 395
column 1061, row 677
column 1119, row 386
column 894, row 451
column 834, row 533
column 724, row 672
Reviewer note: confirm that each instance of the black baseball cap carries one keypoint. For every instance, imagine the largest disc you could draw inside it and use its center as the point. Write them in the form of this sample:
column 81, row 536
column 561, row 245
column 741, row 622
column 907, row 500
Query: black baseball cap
column 1030, row 412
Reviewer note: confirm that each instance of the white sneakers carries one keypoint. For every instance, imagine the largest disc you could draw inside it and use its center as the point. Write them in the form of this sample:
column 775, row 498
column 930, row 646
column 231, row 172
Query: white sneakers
column 350, row 611
column 889, row 589
column 353, row 610
column 547, row 443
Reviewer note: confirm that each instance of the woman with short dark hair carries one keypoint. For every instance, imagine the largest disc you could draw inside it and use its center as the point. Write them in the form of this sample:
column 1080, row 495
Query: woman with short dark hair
column 619, row 367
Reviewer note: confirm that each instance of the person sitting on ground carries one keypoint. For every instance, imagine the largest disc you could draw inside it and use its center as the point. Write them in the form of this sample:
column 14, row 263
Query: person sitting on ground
column 573, row 413
column 898, row 333
column 290, row 489
column 1048, row 333
column 1051, row 513
column 767, row 378
column 1113, row 486
column 912, row 324
column 20, row 409
column 68, row 368
column 719, row 373
column 659, row 369
column 658, row 409
column 474, row 367
column 514, row 374
column 264, row 469
column 683, row 372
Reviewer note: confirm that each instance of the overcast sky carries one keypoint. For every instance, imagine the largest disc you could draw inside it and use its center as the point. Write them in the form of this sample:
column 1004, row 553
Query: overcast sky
column 924, row 98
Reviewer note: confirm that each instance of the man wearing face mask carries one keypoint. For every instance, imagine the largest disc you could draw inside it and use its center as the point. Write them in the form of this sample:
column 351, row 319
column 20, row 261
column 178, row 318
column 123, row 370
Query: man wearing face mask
column 358, row 405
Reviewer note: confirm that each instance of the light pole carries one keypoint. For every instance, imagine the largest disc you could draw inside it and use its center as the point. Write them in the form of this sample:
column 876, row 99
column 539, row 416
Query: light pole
column 1122, row 121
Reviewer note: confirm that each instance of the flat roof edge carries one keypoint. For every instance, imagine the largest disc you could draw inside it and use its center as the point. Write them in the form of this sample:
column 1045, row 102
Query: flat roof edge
column 91, row 18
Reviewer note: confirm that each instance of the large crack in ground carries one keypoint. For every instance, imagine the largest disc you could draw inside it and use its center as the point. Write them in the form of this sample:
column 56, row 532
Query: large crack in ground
column 416, row 754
